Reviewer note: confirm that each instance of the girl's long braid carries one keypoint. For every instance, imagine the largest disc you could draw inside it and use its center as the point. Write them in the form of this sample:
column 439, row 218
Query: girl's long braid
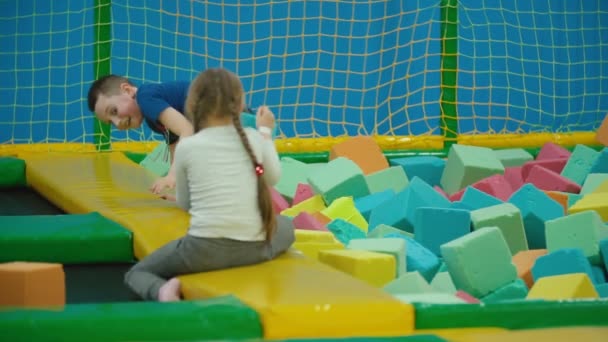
column 264, row 199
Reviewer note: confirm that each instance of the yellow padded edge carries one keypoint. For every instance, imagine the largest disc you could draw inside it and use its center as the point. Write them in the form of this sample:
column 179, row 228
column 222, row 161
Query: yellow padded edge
column 296, row 296
column 558, row 334
column 114, row 186
column 303, row 298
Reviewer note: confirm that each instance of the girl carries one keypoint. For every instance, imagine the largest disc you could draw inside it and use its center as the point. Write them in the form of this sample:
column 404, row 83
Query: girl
column 223, row 172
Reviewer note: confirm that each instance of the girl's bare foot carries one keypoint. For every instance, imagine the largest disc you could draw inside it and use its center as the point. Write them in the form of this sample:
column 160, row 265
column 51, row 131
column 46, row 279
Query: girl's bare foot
column 170, row 291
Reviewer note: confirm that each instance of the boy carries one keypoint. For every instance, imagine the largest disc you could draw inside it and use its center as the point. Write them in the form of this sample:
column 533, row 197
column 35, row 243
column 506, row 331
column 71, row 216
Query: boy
column 114, row 99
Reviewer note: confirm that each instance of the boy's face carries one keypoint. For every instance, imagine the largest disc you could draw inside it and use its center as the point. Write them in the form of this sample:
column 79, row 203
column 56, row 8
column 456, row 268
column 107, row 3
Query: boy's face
column 121, row 110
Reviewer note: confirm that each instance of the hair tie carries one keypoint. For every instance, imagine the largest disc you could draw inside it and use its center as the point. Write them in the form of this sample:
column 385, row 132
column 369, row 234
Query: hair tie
column 259, row 169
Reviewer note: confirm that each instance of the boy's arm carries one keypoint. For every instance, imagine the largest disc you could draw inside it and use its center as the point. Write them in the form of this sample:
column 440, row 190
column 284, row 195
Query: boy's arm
column 177, row 123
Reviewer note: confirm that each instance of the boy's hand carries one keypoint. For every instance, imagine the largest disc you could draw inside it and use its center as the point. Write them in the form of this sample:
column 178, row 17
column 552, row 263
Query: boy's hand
column 167, row 182
column 264, row 118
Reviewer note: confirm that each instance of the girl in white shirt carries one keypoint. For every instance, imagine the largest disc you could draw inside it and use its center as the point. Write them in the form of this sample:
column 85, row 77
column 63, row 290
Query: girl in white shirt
column 223, row 174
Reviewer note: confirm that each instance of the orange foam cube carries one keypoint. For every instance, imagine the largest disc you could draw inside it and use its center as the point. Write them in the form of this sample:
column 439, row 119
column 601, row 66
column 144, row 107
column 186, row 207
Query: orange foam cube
column 523, row 261
column 559, row 197
column 32, row 284
column 602, row 133
column 363, row 151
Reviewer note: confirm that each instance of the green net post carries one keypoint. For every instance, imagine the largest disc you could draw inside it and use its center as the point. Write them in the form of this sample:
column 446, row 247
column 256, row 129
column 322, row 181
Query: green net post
column 449, row 67
column 103, row 36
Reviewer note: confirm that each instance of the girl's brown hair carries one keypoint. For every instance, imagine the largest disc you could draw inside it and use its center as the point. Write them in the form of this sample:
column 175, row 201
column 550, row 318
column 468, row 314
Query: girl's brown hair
column 219, row 93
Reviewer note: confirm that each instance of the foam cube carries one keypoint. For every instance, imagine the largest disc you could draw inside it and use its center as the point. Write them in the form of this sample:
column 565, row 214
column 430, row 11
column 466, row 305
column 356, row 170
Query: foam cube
column 562, row 287
column 514, row 290
column 293, row 172
column 479, row 262
column 427, row 168
column 312, row 248
column 512, row 157
column 344, row 208
column 536, row 208
column 391, row 178
column 420, row 194
column 419, row 258
column 601, row 162
column 306, row 221
column 382, row 230
column 593, row 182
column 514, row 176
column 602, row 290
column 599, row 275
column 302, row 235
column 340, row 177
column 602, row 132
column 477, row 199
column 377, row 269
column 562, row 261
column 597, row 202
column 408, row 283
column 524, row 261
column 604, row 251
column 429, row 298
column 324, row 220
column 551, row 150
column 442, row 282
column 278, row 202
column 546, row 179
column 507, row 218
column 560, row 197
column 555, row 165
column 466, row 297
column 311, row 205
column 303, row 192
column 467, row 165
column 391, row 212
column 366, row 204
column 345, row 231
column 363, row 151
column 435, row 226
column 392, row 246
column 32, row 285
column 579, row 164
column 496, row 185
column 580, row 230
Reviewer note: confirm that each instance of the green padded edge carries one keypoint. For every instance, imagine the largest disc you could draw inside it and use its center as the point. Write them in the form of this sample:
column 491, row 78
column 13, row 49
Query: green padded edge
column 213, row 319
column 12, row 172
column 525, row 314
column 78, row 238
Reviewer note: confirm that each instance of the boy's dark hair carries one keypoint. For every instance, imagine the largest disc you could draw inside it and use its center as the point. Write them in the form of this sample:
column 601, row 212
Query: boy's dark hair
column 107, row 85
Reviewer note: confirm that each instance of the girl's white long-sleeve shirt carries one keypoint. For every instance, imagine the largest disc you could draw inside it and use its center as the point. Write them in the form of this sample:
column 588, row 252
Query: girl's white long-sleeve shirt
column 216, row 182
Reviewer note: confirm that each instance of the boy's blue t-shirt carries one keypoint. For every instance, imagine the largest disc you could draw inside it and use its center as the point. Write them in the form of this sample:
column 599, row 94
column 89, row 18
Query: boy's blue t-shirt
column 154, row 98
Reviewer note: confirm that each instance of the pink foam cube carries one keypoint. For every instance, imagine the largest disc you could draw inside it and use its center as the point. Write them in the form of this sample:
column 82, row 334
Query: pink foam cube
column 548, row 180
column 552, row 151
column 306, row 221
column 495, row 185
column 303, row 192
column 440, row 191
column 279, row 203
column 555, row 165
column 467, row 297
column 514, row 176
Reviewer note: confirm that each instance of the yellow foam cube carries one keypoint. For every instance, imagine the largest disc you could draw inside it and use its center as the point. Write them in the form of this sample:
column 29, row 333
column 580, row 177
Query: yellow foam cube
column 603, row 187
column 309, row 205
column 597, row 201
column 377, row 269
column 344, row 208
column 312, row 249
column 563, row 286
column 304, row 235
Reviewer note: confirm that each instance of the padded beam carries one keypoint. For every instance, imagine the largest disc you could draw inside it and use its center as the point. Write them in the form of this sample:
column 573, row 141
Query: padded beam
column 223, row 318
column 301, row 297
column 112, row 185
column 66, row 239
column 295, row 296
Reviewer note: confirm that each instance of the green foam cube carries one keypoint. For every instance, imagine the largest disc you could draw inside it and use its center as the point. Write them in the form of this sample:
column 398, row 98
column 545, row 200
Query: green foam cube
column 382, row 230
column 581, row 230
column 467, row 165
column 512, row 157
column 479, row 262
column 593, row 181
column 393, row 178
column 392, row 246
column 579, row 164
column 512, row 291
column 507, row 217
column 340, row 177
column 408, row 283
column 429, row 298
column 293, row 172
column 442, row 282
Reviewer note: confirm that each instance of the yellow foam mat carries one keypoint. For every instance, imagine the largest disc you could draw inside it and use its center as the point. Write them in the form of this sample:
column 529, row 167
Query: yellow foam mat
column 561, row 334
column 295, row 295
column 304, row 298
column 114, row 186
